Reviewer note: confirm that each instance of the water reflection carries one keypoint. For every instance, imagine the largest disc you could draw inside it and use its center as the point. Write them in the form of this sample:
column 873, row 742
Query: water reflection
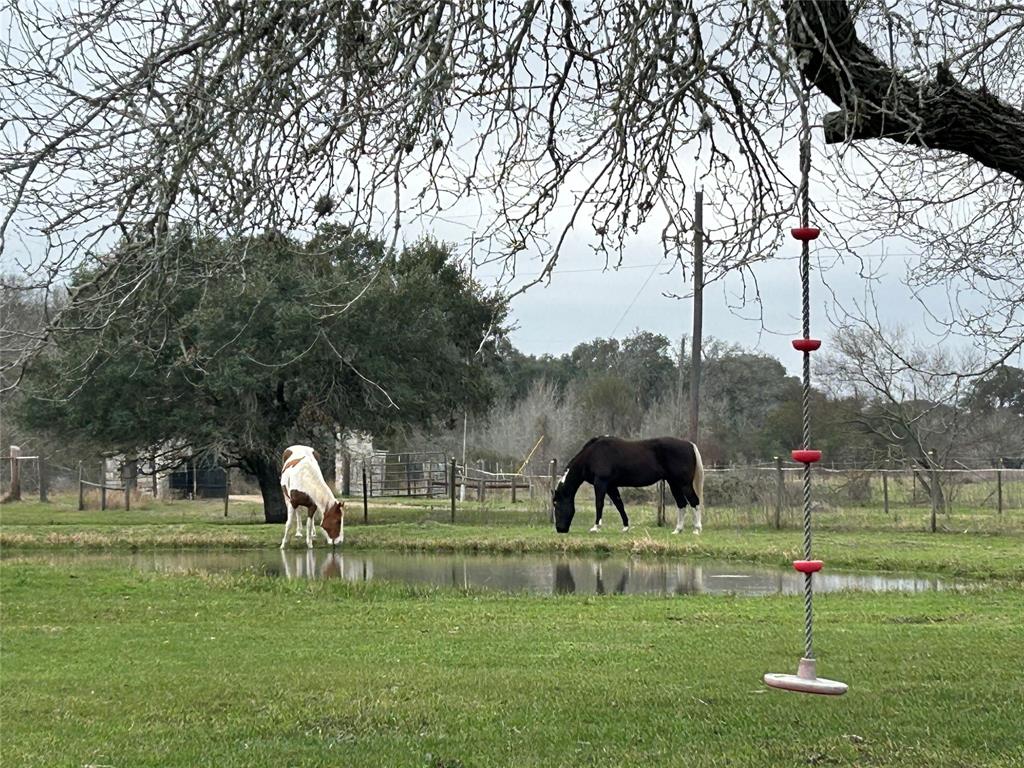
column 543, row 574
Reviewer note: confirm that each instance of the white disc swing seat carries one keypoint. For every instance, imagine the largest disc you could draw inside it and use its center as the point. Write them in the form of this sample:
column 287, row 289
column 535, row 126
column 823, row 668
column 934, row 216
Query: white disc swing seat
column 806, row 679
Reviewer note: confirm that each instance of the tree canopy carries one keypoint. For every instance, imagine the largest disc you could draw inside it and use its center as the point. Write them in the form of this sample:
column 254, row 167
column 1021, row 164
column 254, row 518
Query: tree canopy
column 295, row 342
column 130, row 117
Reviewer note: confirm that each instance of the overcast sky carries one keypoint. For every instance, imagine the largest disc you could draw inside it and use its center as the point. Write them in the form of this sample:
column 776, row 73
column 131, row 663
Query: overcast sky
column 584, row 301
column 579, row 306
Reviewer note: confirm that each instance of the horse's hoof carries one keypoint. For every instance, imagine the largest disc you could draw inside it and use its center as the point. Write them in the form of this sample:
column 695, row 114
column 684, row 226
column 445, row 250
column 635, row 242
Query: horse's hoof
column 625, row 528
column 696, row 531
column 595, row 529
column 675, row 531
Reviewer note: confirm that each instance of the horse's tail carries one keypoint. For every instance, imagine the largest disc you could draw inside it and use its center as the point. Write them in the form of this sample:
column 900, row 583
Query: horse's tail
column 698, row 477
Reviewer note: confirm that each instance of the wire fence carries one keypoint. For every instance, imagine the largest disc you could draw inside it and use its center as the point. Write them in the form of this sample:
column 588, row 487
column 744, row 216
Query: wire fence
column 768, row 494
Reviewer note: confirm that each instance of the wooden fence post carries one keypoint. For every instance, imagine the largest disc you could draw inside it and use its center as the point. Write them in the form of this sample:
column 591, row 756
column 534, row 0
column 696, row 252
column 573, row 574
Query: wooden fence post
column 81, row 489
column 43, row 479
column 480, row 483
column 14, row 494
column 515, row 478
column 346, row 475
column 935, row 499
column 129, row 477
column 999, row 488
column 156, row 489
column 366, row 507
column 885, row 487
column 227, row 489
column 408, row 475
column 661, row 503
column 780, row 492
column 103, row 485
column 451, row 488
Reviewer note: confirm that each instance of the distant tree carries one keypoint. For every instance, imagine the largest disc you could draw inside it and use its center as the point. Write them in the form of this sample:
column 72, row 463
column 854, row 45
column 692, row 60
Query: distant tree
column 739, row 392
column 595, row 358
column 646, row 362
column 608, row 405
column 1003, row 388
column 281, row 347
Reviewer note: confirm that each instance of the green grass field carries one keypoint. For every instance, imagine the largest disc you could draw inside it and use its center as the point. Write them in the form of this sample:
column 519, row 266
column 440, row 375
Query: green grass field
column 108, row 667
column 105, row 666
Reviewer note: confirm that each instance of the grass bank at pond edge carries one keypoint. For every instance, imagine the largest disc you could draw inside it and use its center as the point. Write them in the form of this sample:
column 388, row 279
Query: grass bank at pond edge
column 111, row 667
column 968, row 555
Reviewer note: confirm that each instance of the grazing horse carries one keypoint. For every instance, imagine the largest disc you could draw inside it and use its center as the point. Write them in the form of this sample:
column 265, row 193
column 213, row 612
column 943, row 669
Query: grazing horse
column 610, row 463
column 303, row 485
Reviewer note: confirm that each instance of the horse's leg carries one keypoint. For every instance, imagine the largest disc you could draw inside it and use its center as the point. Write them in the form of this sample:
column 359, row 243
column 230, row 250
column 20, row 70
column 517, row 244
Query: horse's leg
column 686, row 495
column 681, row 501
column 310, row 529
column 317, row 528
column 291, row 518
column 613, row 494
column 600, row 488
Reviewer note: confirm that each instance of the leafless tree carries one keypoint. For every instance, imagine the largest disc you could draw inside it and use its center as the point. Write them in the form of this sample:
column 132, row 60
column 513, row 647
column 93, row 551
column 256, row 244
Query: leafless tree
column 908, row 406
column 126, row 119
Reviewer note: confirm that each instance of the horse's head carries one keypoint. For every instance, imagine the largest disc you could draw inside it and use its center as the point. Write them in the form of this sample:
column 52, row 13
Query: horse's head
column 334, row 522
column 564, row 503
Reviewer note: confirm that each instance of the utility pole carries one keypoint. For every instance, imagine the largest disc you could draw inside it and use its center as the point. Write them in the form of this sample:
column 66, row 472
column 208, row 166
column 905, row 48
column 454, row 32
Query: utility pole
column 465, row 413
column 679, row 384
column 698, row 312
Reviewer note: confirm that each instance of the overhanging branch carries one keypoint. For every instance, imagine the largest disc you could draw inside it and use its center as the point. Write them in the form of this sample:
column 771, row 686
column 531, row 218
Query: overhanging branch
column 879, row 102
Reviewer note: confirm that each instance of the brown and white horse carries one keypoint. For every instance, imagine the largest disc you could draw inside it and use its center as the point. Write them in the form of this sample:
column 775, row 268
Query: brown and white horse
column 303, row 485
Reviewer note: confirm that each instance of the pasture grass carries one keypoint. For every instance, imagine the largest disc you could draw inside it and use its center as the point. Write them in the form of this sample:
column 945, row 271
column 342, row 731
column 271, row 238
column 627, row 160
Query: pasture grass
column 106, row 666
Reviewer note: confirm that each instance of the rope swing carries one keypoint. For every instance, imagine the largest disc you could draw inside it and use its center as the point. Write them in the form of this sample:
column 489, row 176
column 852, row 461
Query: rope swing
column 806, row 679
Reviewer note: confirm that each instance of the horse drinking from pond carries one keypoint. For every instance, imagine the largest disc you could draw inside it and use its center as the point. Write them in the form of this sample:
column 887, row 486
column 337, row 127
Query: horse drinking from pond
column 610, row 463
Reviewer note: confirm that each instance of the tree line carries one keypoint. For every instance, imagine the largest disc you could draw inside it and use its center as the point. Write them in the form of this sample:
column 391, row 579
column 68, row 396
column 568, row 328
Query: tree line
column 299, row 341
column 750, row 405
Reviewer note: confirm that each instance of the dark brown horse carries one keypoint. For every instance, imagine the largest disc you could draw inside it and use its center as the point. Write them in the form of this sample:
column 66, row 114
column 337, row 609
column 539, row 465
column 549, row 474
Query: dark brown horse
column 610, row 463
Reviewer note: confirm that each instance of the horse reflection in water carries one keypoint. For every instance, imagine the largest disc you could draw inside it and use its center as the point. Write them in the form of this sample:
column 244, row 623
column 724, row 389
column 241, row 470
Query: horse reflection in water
column 314, row 564
column 620, row 587
column 565, row 584
column 565, row 581
column 558, row 575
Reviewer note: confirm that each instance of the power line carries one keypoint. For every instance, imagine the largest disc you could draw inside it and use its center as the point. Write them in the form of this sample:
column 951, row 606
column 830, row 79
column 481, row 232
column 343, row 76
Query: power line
column 626, row 312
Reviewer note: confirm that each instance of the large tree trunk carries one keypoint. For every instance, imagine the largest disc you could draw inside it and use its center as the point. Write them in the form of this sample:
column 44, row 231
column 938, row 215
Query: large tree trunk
column 269, row 478
column 878, row 102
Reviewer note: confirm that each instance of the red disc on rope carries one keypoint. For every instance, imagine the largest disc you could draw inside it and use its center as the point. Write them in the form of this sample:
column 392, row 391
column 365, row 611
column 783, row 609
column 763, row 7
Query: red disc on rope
column 808, row 566
column 806, row 455
column 806, row 345
column 805, row 233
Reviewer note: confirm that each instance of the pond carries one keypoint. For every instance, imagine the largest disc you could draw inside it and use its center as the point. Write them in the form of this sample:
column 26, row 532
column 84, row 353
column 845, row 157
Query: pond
column 534, row 573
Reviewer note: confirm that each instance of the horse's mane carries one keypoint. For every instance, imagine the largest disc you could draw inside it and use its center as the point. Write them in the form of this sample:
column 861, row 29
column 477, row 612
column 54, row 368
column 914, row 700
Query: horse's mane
column 579, row 453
